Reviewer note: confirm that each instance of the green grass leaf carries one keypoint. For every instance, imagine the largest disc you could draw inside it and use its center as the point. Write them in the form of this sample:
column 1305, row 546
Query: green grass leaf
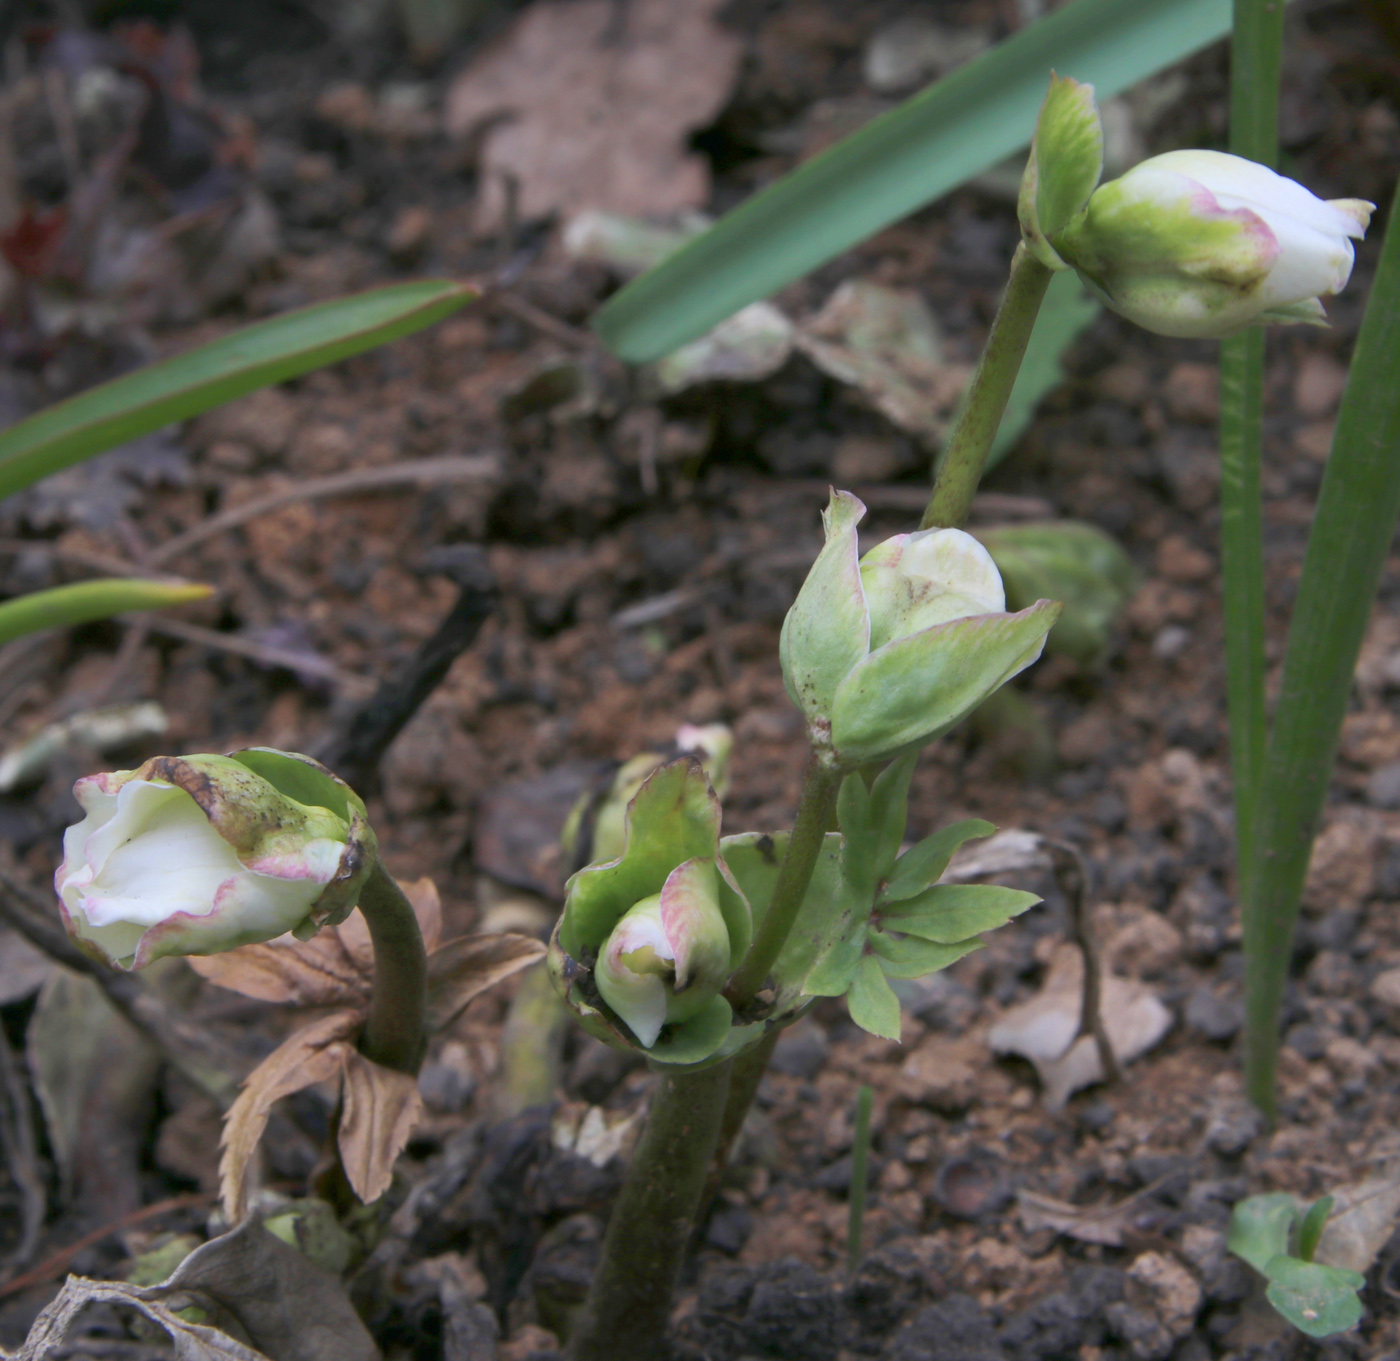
column 939, row 139
column 253, row 357
column 81, row 603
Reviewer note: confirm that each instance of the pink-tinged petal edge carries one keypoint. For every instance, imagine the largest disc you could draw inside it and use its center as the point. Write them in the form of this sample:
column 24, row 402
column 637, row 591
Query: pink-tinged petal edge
column 676, row 908
column 1205, row 204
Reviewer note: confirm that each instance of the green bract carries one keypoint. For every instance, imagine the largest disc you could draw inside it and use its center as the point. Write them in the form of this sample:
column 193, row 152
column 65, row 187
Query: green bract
column 884, row 653
column 1063, row 170
column 646, row 941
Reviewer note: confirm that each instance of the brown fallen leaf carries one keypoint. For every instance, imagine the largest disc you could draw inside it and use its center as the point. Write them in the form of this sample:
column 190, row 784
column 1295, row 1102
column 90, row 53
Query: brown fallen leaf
column 1045, row 1029
column 1104, row 1224
column 559, row 96
column 1361, row 1222
column 336, row 968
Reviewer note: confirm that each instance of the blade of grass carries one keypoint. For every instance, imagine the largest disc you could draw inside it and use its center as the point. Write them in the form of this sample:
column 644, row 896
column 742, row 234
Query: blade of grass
column 933, row 142
column 1357, row 509
column 253, row 357
column 81, row 603
column 1255, row 54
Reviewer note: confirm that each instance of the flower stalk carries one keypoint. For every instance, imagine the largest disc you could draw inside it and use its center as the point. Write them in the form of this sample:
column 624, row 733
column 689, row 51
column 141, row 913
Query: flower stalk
column 395, row 1035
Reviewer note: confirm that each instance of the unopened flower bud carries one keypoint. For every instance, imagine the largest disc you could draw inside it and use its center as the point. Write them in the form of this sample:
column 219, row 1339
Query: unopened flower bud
column 199, row 854
column 669, row 955
column 886, row 652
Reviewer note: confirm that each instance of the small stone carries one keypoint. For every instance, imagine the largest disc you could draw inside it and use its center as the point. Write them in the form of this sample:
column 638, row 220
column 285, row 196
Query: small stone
column 1193, row 393
column 955, row 1329
column 1159, row 603
column 1232, row 1126
column 1178, row 559
column 944, row 1074
column 1383, row 787
column 1385, row 988
column 1170, row 642
column 1217, row 1018
column 409, row 233
column 800, row 1051
column 1314, row 440
column 861, row 459
column 971, row 1188
column 1318, row 386
column 1086, row 739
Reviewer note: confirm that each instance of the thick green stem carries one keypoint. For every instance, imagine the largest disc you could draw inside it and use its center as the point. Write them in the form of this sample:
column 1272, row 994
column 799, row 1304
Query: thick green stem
column 394, row 1033
column 1255, row 56
column 814, row 810
column 970, row 440
column 630, row 1300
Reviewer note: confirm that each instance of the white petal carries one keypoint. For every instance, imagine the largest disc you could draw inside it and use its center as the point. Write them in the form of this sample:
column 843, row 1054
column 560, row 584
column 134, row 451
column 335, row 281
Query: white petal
column 958, row 564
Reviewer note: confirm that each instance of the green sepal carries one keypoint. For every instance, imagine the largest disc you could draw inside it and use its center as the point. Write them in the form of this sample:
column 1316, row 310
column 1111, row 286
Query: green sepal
column 827, row 630
column 872, row 1002
column 1260, row 1227
column 301, row 778
column 695, row 1039
column 949, row 913
column 1065, row 164
column 910, row 957
column 915, row 688
column 1316, row 1299
column 923, row 864
column 673, row 817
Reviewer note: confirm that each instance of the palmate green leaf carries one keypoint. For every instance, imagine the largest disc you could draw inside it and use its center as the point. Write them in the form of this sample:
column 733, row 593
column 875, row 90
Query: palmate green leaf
column 84, row 601
column 253, row 357
column 939, row 139
column 910, row 957
column 950, row 913
column 923, row 864
column 1316, row 1299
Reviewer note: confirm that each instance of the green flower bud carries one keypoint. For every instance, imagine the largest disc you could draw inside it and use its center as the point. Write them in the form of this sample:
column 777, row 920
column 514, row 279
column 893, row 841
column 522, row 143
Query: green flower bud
column 647, row 941
column 887, row 652
column 1065, row 163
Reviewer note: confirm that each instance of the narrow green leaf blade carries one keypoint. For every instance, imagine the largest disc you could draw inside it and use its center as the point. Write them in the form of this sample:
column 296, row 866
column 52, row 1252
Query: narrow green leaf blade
column 1310, row 1230
column 949, row 913
column 930, row 144
column 872, row 1002
column 1316, row 1299
column 81, row 603
column 253, row 357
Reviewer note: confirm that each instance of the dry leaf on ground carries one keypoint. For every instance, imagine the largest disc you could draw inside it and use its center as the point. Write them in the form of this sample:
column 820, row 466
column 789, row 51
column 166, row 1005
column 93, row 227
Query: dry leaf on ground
column 558, row 96
column 1361, row 1223
column 1044, row 1030
column 380, row 1107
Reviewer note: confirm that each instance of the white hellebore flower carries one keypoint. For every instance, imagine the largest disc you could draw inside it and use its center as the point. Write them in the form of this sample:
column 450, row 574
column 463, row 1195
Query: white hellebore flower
column 199, row 854
column 1204, row 244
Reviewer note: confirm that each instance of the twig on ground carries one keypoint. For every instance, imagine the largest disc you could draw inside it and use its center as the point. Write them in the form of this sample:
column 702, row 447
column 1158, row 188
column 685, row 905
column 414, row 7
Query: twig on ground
column 542, row 321
column 1076, row 881
column 60, row 1261
column 423, row 472
column 354, row 748
column 186, row 1046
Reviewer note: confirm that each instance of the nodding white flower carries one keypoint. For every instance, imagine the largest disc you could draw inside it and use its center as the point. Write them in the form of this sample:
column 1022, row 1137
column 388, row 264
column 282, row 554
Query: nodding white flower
column 668, row 955
column 1204, row 244
column 199, row 854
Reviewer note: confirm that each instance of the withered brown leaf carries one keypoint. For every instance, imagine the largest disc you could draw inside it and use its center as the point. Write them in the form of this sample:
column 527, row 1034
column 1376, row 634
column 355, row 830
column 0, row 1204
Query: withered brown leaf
column 379, row 1109
column 462, row 969
column 312, row 1055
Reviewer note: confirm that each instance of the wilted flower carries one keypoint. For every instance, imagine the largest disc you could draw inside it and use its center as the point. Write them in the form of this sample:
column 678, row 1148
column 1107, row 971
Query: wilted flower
column 647, row 940
column 198, row 854
column 1190, row 243
column 885, row 652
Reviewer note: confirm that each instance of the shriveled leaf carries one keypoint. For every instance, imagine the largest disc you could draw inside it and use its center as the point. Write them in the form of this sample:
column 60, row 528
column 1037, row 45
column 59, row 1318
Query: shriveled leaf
column 1008, row 852
column 1260, row 1227
column 1362, row 1219
column 872, row 1002
column 463, row 969
column 948, row 913
column 1316, row 1299
column 84, row 601
column 910, row 957
column 290, row 1307
column 255, row 356
column 23, row 969
column 380, row 1108
column 189, row 1341
column 923, row 864
column 1103, row 1224
column 312, row 1055
column 423, row 897
column 318, row 972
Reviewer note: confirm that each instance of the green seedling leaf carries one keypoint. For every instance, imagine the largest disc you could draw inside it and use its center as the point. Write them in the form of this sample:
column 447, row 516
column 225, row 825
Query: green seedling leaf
column 254, row 357
column 910, row 957
column 84, row 601
column 1316, row 1299
column 949, row 913
column 1310, row 1229
column 1066, row 312
column 872, row 1002
column 1260, row 1227
column 924, row 863
column 957, row 128
column 889, row 811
